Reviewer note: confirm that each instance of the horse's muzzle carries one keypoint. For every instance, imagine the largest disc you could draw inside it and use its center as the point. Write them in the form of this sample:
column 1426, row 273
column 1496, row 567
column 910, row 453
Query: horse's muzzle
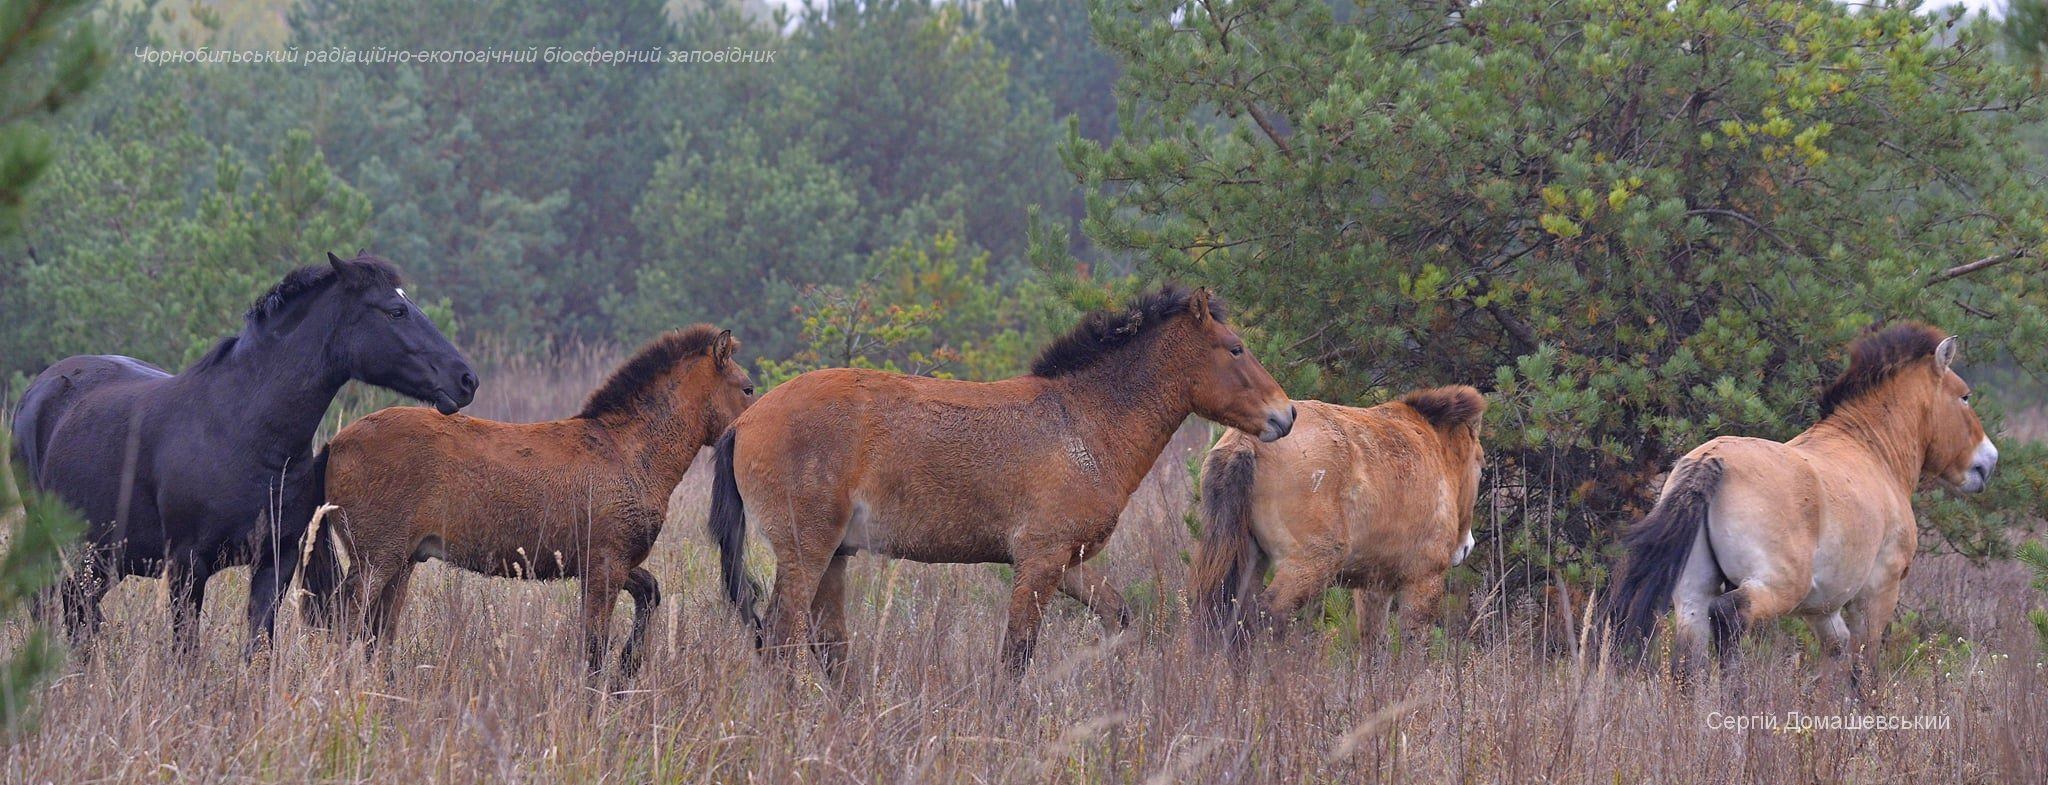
column 1278, row 424
column 1982, row 464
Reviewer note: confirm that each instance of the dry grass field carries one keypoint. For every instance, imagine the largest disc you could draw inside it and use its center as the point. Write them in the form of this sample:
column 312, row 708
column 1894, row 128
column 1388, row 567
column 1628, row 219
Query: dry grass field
column 486, row 686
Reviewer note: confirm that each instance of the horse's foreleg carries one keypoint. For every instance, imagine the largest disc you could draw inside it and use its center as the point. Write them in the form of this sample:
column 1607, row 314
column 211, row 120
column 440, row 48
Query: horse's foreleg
column 268, row 577
column 600, row 595
column 186, row 579
column 1036, row 581
column 828, row 610
column 78, row 598
column 646, row 593
column 1867, row 618
column 1421, row 606
column 1091, row 586
column 1833, row 633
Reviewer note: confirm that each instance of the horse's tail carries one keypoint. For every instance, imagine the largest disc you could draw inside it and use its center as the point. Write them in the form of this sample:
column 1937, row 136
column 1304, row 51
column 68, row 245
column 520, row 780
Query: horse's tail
column 323, row 558
column 1227, row 566
column 728, row 525
column 1658, row 546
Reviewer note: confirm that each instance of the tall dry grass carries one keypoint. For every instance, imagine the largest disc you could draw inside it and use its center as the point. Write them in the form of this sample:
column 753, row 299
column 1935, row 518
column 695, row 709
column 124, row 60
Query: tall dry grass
column 486, row 685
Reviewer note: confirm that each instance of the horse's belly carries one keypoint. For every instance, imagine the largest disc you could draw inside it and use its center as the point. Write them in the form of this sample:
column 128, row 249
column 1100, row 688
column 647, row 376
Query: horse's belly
column 939, row 531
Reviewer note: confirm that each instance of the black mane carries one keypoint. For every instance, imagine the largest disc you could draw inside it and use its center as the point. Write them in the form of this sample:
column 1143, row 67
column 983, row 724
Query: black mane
column 623, row 389
column 1877, row 357
column 1103, row 332
column 363, row 271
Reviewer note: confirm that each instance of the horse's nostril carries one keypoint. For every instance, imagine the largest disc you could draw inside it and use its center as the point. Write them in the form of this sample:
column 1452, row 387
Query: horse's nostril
column 469, row 382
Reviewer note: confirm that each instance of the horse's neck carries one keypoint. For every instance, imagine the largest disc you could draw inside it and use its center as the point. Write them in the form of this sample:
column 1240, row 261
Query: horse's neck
column 664, row 442
column 264, row 380
column 1125, row 427
column 1896, row 443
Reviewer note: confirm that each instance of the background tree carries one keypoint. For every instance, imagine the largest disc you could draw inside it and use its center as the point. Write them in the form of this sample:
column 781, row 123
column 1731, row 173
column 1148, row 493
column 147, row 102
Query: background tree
column 1639, row 225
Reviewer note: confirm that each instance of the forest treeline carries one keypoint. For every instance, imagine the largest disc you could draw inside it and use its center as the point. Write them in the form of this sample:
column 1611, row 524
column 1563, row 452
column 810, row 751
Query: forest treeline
column 1636, row 225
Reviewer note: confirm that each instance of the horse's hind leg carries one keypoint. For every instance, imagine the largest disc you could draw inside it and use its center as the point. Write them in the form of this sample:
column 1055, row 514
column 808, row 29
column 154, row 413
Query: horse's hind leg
column 1369, row 611
column 1295, row 582
column 828, row 609
column 787, row 625
column 387, row 585
column 646, row 593
column 1091, row 586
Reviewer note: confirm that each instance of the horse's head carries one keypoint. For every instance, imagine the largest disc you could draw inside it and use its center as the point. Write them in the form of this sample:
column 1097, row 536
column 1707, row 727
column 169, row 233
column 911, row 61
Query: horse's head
column 724, row 383
column 383, row 339
column 1958, row 453
column 1229, row 385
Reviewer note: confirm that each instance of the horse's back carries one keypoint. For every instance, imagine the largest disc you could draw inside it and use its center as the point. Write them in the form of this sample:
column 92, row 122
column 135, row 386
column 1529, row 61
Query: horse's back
column 1373, row 487
column 481, row 488
column 926, row 469
column 80, row 397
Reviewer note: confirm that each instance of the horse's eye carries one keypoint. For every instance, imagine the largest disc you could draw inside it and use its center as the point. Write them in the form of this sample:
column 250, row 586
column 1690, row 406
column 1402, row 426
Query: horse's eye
column 398, row 313
column 750, row 389
column 1966, row 398
column 1237, row 350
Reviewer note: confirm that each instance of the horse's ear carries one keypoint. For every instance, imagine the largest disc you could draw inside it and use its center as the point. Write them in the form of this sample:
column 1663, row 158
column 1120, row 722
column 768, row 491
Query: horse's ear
column 726, row 345
column 1945, row 353
column 334, row 261
column 1198, row 304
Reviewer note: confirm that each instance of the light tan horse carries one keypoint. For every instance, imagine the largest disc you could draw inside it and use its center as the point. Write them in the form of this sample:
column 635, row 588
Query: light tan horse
column 581, row 498
column 1748, row 530
column 1376, row 499
column 1029, row 471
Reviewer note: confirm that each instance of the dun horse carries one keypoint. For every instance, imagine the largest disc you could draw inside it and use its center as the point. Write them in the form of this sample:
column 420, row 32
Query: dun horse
column 1748, row 530
column 1377, row 499
column 577, row 498
column 183, row 475
column 1030, row 471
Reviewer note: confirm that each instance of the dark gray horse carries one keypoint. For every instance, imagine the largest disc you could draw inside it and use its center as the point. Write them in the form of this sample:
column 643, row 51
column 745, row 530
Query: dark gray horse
column 184, row 475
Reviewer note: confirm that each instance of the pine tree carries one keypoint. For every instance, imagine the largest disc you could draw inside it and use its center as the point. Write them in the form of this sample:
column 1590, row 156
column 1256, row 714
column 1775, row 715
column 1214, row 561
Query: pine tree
column 47, row 57
column 1640, row 225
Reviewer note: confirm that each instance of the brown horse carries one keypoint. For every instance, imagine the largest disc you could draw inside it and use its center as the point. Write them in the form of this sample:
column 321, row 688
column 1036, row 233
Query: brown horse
column 1029, row 471
column 1748, row 530
column 577, row 498
column 1377, row 499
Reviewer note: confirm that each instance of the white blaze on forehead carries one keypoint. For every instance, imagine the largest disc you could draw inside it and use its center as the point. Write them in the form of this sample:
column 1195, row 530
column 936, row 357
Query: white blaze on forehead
column 401, row 292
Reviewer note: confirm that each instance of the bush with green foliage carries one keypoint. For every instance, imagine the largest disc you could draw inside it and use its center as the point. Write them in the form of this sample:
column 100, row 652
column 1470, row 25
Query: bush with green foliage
column 1638, row 225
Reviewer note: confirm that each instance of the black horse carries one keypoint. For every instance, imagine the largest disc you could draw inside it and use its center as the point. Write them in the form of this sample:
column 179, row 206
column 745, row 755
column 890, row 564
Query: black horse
column 184, row 475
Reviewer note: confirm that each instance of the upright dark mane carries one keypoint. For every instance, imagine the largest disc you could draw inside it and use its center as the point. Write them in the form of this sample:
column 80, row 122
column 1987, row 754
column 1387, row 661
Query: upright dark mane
column 1445, row 407
column 1879, row 356
column 363, row 271
column 622, row 391
column 1105, row 331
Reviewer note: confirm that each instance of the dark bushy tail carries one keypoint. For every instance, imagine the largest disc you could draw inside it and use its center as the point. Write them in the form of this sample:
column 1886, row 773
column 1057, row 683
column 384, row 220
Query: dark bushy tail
column 728, row 525
column 1225, row 577
column 321, row 575
column 1658, row 546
